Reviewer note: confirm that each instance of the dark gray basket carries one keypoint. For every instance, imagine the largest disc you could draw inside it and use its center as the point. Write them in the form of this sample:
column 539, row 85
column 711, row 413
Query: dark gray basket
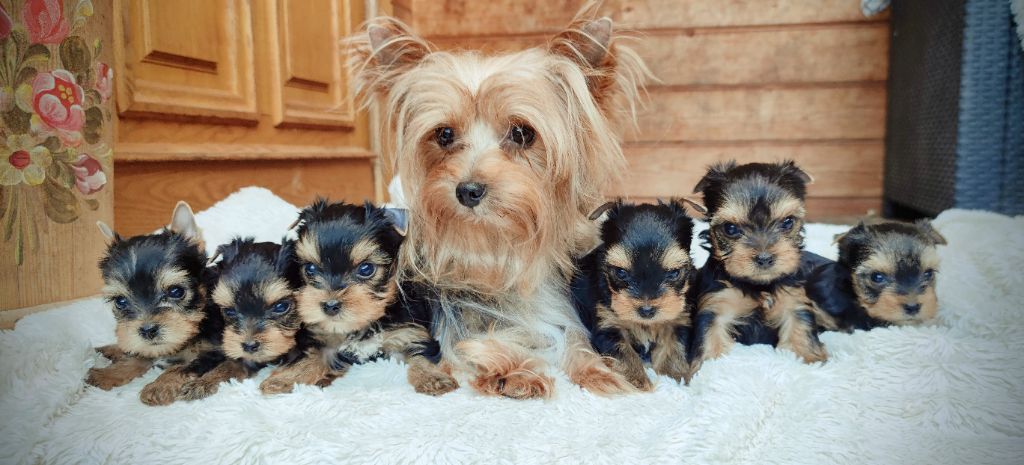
column 955, row 128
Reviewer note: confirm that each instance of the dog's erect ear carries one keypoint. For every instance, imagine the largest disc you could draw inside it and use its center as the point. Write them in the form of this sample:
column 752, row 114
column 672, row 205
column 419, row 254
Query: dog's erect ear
column 930, row 232
column 108, row 234
column 789, row 168
column 698, row 209
column 856, row 235
column 399, row 218
column 183, row 222
column 384, row 50
column 716, row 174
column 585, row 42
column 594, row 215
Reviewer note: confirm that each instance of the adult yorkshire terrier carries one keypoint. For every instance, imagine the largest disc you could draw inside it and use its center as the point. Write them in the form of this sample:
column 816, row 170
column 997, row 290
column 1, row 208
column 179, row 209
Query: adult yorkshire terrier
column 502, row 158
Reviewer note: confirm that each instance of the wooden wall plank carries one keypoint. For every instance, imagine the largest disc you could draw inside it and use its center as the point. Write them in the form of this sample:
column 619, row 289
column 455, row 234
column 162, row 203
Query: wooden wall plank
column 502, row 17
column 745, row 57
column 851, row 169
column 850, row 112
column 146, row 192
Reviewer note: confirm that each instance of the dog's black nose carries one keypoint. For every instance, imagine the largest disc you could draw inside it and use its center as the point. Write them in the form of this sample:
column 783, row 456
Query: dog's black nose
column 331, row 307
column 470, row 193
column 149, row 331
column 911, row 309
column 646, row 311
column 251, row 347
column 764, row 260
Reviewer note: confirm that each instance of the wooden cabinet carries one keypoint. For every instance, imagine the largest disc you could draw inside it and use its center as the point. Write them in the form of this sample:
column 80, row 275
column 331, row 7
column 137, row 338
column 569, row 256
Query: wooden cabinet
column 215, row 95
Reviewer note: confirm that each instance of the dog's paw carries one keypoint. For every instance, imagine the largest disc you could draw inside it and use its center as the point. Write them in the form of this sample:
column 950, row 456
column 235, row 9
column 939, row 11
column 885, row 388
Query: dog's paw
column 435, row 383
column 641, row 382
column 159, row 393
column 273, row 385
column 599, row 379
column 103, row 379
column 197, row 389
column 111, row 352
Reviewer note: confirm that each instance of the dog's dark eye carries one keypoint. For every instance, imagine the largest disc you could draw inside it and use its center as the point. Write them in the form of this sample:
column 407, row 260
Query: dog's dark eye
column 928, row 275
column 121, row 302
column 176, row 292
column 620, row 273
column 731, row 230
column 281, row 307
column 787, row 224
column 444, row 137
column 365, row 270
column 230, row 313
column 521, row 135
column 672, row 275
column 878, row 278
column 310, row 269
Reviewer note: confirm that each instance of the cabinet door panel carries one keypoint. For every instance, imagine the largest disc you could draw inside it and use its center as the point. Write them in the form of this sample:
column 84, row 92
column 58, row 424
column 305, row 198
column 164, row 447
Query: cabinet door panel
column 309, row 82
column 186, row 58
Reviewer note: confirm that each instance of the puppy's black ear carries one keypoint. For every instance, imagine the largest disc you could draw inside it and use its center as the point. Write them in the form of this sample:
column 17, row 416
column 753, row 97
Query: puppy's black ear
column 286, row 263
column 600, row 210
column 716, row 175
column 399, row 218
column 851, row 241
column 789, row 168
column 230, row 251
column 108, row 234
column 306, row 215
column 929, row 231
column 686, row 204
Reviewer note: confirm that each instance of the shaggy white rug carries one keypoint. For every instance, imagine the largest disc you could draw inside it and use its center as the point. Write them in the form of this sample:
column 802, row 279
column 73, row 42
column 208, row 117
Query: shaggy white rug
column 953, row 393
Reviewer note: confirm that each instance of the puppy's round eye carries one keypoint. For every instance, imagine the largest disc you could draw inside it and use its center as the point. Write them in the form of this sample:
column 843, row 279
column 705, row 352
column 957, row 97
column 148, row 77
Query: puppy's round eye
column 310, row 269
column 620, row 273
column 176, row 292
column 521, row 135
column 281, row 307
column 928, row 275
column 731, row 230
column 672, row 275
column 444, row 137
column 121, row 302
column 365, row 269
column 230, row 313
column 787, row 224
column 878, row 278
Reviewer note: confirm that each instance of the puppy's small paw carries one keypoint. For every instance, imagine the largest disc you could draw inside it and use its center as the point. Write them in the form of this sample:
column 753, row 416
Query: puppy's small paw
column 276, row 386
column 435, row 384
column 197, row 389
column 642, row 383
column 157, row 393
column 101, row 378
column 111, row 352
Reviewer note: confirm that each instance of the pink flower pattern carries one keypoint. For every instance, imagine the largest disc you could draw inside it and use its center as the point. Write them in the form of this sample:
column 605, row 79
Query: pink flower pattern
column 57, row 101
column 89, row 175
column 45, row 21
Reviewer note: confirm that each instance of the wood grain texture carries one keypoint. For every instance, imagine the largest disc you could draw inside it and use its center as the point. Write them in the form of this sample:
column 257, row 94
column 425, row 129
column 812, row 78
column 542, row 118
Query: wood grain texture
column 133, row 151
column 818, row 53
column 62, row 265
column 848, row 112
column 147, row 191
column 185, row 58
column 502, row 17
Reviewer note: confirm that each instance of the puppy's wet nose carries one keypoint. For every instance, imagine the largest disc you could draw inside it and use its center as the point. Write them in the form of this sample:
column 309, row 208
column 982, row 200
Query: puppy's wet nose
column 911, row 309
column 646, row 311
column 764, row 260
column 251, row 347
column 149, row 331
column 470, row 193
column 331, row 307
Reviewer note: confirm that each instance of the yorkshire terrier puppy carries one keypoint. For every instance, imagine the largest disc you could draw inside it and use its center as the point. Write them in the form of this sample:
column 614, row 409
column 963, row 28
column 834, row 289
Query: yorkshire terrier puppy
column 254, row 290
column 885, row 276
column 751, row 289
column 502, row 158
column 631, row 292
column 350, row 302
column 157, row 287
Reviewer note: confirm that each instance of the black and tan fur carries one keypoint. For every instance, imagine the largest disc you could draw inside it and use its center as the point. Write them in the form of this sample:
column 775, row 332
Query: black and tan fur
column 157, row 287
column 885, row 276
column 350, row 301
column 632, row 291
column 751, row 288
column 253, row 288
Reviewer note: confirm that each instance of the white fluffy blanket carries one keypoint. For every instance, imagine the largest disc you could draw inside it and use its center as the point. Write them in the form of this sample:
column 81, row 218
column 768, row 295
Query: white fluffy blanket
column 953, row 393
